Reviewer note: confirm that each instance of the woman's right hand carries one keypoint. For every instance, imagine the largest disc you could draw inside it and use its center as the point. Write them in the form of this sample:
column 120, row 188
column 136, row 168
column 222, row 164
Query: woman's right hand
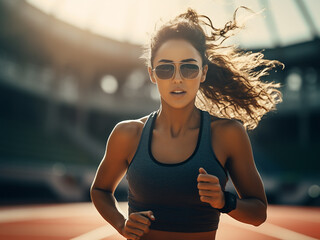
column 137, row 225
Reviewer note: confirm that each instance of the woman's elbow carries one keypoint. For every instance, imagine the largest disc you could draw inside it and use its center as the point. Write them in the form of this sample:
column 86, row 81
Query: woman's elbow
column 91, row 193
column 261, row 218
column 94, row 192
column 260, row 221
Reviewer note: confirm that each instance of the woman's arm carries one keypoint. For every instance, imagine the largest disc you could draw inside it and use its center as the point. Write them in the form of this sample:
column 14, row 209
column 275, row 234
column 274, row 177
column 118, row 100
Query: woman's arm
column 235, row 146
column 107, row 206
column 252, row 205
column 110, row 172
column 122, row 142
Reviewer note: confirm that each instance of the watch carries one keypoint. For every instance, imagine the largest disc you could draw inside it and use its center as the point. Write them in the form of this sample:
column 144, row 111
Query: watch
column 230, row 202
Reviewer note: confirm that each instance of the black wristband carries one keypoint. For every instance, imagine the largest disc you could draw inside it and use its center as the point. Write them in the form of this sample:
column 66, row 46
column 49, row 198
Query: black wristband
column 230, row 202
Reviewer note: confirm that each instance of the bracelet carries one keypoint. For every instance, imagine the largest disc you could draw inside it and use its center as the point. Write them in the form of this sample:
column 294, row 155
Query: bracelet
column 230, row 202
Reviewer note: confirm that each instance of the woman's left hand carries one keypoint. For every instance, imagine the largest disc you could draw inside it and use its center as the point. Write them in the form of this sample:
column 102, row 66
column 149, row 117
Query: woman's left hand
column 210, row 189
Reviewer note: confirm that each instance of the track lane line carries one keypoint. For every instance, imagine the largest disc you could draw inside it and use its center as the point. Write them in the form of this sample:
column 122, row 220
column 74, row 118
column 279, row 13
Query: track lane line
column 97, row 234
column 271, row 230
column 46, row 212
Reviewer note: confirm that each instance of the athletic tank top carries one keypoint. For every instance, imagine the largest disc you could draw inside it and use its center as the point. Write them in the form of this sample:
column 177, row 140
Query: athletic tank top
column 170, row 190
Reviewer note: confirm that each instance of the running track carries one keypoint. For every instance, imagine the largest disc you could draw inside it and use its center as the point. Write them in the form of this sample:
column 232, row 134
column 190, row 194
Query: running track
column 81, row 221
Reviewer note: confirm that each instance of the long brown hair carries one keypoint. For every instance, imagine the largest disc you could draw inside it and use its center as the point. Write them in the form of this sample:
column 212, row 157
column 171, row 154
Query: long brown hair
column 233, row 87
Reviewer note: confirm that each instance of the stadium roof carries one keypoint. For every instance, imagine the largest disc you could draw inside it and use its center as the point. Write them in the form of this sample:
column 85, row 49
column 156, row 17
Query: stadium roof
column 282, row 23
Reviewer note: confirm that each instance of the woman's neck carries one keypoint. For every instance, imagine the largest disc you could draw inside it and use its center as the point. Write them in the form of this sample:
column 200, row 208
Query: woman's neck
column 177, row 121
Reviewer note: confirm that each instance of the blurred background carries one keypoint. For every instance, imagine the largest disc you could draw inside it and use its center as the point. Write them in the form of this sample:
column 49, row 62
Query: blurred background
column 70, row 70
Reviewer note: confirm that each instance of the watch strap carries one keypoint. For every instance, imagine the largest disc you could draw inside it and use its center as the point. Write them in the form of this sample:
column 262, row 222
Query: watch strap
column 230, row 202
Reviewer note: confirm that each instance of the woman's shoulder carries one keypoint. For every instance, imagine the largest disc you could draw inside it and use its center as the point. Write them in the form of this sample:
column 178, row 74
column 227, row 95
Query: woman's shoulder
column 230, row 133
column 226, row 125
column 128, row 129
column 124, row 139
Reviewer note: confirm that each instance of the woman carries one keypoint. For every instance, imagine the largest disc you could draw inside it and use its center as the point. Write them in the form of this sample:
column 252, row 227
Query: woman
column 176, row 159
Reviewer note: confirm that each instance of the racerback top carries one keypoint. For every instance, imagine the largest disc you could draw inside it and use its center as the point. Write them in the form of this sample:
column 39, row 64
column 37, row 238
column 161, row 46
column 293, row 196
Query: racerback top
column 170, row 190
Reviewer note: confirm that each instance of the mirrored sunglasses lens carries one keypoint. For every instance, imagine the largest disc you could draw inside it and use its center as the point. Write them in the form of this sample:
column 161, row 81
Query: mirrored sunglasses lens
column 164, row 71
column 189, row 71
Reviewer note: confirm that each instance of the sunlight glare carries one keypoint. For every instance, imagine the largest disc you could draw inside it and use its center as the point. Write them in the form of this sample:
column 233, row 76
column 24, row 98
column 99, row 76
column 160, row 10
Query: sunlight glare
column 134, row 20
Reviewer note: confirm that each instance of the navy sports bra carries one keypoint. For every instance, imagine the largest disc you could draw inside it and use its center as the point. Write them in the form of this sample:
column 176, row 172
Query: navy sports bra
column 170, row 190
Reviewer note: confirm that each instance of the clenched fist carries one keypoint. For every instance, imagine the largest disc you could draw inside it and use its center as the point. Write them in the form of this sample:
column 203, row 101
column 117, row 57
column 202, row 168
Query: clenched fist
column 210, row 189
column 137, row 225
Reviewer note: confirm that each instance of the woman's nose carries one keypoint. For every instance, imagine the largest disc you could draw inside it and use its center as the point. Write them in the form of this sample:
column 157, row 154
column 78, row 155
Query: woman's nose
column 177, row 76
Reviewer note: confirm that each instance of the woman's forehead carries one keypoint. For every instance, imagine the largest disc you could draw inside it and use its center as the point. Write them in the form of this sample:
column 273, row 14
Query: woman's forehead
column 177, row 50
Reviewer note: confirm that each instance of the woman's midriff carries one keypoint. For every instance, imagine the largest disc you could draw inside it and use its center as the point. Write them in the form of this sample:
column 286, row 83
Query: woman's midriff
column 161, row 235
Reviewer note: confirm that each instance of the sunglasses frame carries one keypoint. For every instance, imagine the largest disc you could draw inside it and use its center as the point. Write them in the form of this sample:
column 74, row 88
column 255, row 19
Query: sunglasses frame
column 174, row 73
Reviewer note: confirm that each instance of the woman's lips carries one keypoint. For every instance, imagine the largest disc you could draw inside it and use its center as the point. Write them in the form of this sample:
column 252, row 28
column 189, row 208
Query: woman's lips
column 178, row 92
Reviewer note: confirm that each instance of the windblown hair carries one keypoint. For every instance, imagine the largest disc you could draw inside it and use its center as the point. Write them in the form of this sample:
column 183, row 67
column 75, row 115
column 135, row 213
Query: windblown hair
column 233, row 87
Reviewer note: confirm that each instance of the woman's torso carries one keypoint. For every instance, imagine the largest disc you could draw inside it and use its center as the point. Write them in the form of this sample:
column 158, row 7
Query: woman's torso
column 161, row 235
column 187, row 147
column 177, row 149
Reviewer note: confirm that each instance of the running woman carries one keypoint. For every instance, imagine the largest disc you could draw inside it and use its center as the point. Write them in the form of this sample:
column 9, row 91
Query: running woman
column 178, row 159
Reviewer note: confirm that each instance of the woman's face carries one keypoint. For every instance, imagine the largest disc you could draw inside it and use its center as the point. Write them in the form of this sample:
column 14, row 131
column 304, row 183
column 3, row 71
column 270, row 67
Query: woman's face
column 178, row 92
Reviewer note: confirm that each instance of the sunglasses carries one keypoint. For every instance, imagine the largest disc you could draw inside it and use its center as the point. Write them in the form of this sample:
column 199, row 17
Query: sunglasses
column 167, row 71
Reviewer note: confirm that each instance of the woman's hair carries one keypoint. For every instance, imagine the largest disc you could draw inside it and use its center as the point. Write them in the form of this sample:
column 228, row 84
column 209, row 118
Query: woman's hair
column 233, row 87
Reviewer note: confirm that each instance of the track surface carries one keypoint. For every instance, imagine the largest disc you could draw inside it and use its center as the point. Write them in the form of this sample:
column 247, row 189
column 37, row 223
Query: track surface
column 81, row 221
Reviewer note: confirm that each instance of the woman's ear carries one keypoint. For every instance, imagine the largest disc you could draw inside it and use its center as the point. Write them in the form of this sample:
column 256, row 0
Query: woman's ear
column 204, row 73
column 153, row 80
